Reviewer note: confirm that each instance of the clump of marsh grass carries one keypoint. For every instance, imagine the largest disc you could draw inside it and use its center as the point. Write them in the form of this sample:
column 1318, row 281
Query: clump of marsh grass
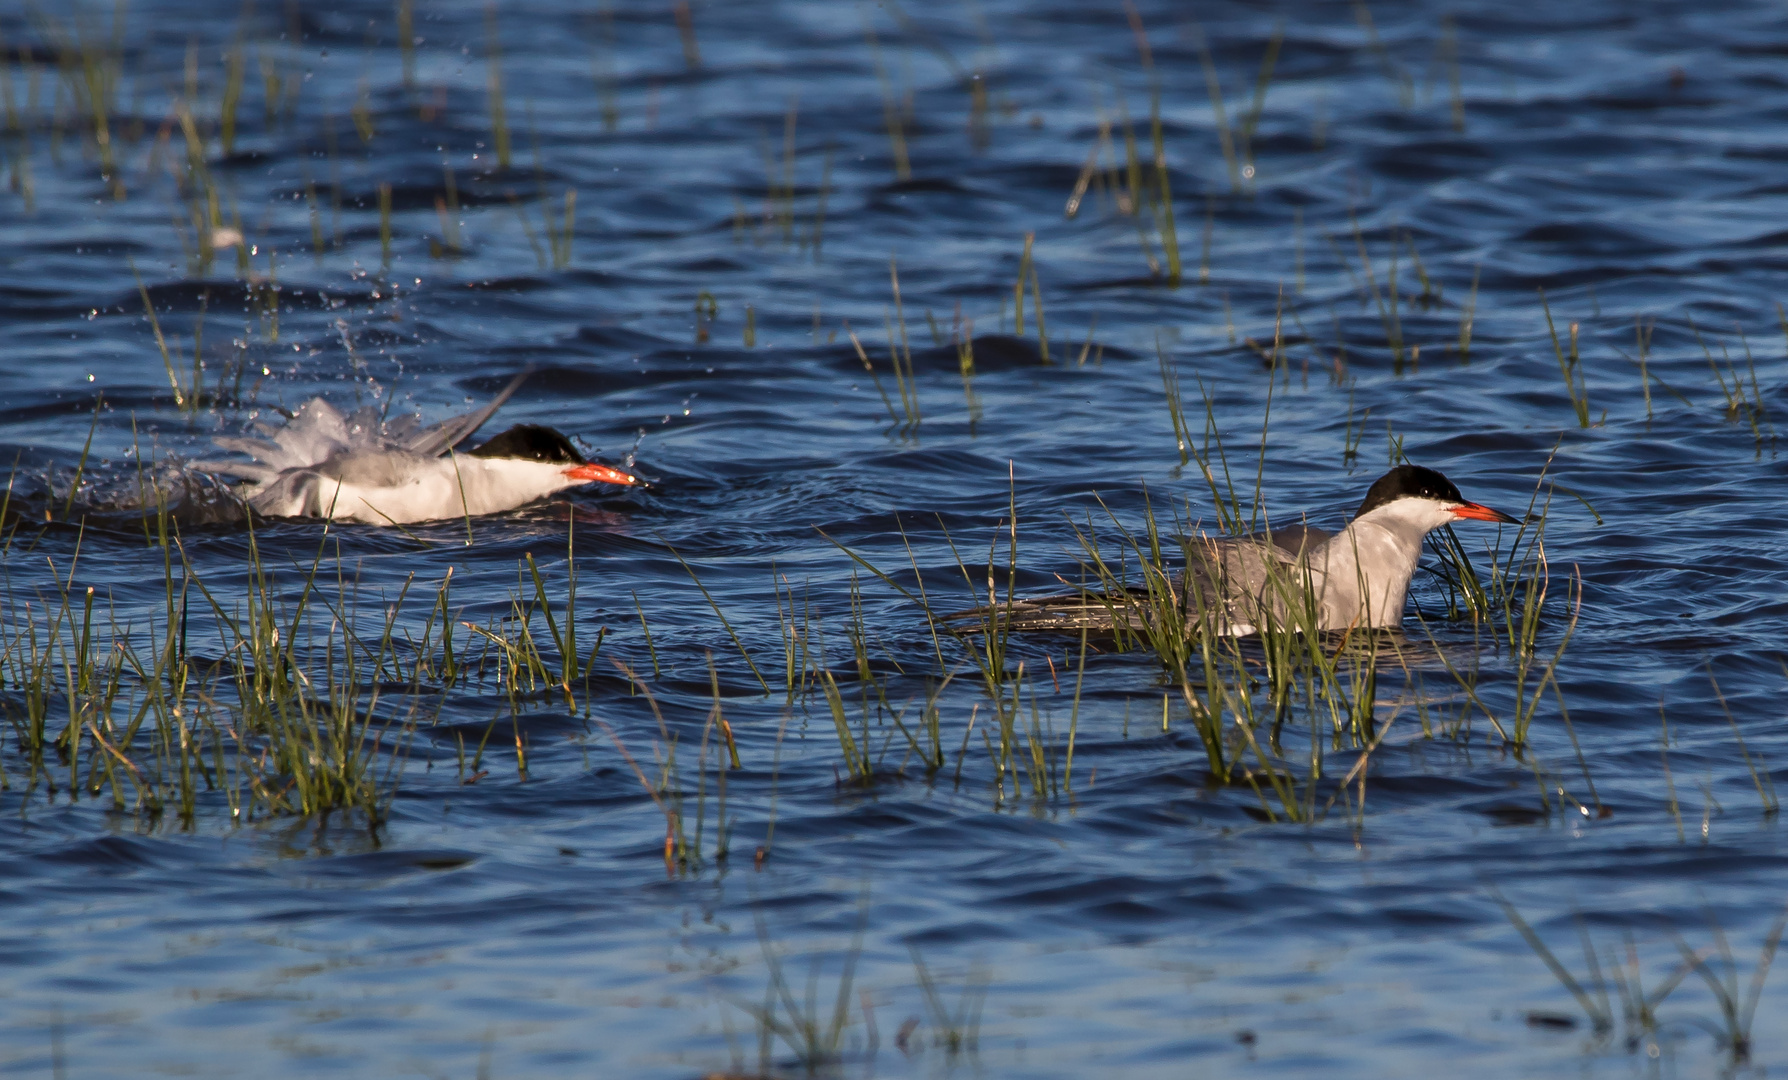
column 1743, row 402
column 384, row 228
column 1570, row 366
column 894, row 117
column 1027, row 274
column 1534, row 671
column 1514, row 601
column 779, row 216
column 962, row 338
column 235, row 67
column 526, row 664
column 957, row 1031
column 900, row 353
column 1236, row 140
column 803, row 642
column 1432, row 290
column 277, row 697
column 1761, row 778
column 1387, row 299
column 863, row 760
column 1395, row 72
column 559, row 230
column 809, row 1031
column 187, row 389
column 900, row 356
column 1637, row 1019
column 1176, row 407
column 1322, row 682
column 707, row 310
column 450, row 245
column 1020, row 743
column 689, row 846
column 1225, row 136
column 262, row 724
column 1139, row 188
column 499, row 114
column 91, row 64
column 815, row 1037
column 1468, row 317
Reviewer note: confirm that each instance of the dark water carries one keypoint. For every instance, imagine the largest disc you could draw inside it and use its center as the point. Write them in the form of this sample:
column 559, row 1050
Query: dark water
column 1627, row 160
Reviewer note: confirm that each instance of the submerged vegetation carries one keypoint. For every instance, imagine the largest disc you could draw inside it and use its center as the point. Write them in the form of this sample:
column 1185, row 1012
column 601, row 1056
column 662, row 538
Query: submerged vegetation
column 281, row 698
column 1634, row 1013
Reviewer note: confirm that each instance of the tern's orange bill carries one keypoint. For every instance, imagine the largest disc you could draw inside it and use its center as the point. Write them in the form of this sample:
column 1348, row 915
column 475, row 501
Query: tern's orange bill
column 592, row 473
column 1475, row 512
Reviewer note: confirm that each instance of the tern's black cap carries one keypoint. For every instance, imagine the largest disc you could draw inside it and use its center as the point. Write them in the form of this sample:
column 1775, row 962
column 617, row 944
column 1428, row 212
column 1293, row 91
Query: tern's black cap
column 1409, row 482
column 533, row 442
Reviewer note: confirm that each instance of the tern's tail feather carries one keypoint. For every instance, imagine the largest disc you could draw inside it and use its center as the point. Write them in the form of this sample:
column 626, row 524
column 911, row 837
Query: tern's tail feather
column 292, row 493
column 259, row 449
column 242, row 469
column 1094, row 612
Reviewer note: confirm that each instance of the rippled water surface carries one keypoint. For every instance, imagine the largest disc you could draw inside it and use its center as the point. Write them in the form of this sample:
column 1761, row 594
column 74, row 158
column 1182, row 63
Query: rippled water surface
column 748, row 178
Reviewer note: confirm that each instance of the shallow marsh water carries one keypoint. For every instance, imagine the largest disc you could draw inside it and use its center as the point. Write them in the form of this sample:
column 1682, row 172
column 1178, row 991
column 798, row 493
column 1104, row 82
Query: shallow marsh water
column 1143, row 918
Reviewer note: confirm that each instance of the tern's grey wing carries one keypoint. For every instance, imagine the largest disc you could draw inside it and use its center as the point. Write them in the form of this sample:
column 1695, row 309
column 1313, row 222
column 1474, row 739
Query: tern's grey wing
column 387, row 469
column 1233, row 585
column 1298, row 539
column 437, row 439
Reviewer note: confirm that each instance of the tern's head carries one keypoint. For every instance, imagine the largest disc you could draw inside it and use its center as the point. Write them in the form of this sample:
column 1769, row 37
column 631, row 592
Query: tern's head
column 1421, row 497
column 535, row 448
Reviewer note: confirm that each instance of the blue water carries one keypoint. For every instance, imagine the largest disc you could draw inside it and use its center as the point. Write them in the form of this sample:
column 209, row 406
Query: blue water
column 1146, row 922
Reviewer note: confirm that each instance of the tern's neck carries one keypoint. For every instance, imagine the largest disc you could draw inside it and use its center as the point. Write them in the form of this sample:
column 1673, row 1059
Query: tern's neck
column 1367, row 565
column 495, row 484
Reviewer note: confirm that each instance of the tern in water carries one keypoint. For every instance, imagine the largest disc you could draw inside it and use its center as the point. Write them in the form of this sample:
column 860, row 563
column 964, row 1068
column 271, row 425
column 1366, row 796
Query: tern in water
column 1358, row 577
column 359, row 467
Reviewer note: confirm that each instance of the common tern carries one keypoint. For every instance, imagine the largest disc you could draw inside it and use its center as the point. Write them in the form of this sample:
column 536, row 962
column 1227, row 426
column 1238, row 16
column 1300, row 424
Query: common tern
column 358, row 467
column 1358, row 577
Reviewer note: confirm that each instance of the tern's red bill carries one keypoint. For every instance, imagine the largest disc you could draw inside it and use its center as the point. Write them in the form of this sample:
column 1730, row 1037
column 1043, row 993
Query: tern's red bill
column 1475, row 512
column 591, row 473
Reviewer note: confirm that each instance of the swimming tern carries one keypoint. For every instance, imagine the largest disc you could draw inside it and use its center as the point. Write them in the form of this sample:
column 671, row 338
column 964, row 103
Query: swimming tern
column 1358, row 577
column 358, row 467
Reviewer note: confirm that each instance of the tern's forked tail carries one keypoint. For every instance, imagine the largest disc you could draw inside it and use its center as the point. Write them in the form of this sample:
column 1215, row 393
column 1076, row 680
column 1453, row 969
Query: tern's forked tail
column 1098, row 613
